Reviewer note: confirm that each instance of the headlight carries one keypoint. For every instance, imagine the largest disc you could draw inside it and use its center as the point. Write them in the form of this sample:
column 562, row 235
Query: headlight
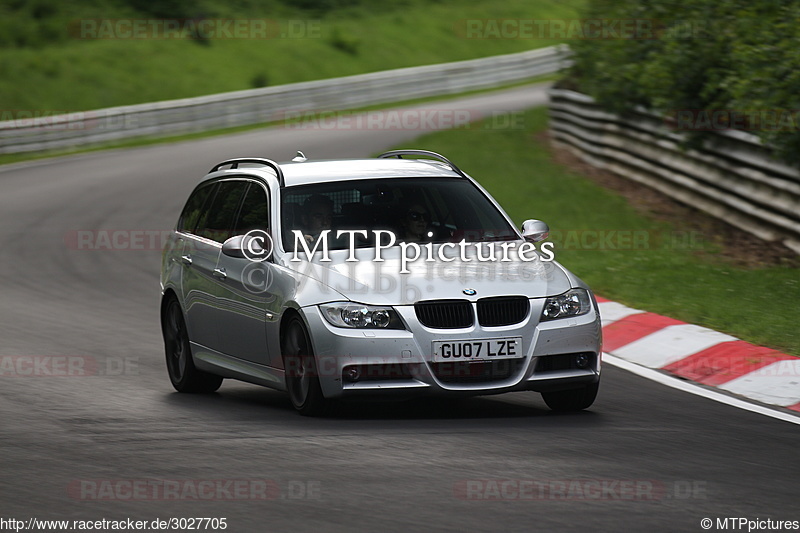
column 574, row 302
column 353, row 315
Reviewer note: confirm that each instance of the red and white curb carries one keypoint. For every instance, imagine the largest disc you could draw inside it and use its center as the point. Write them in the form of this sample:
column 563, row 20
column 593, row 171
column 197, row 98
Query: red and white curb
column 700, row 354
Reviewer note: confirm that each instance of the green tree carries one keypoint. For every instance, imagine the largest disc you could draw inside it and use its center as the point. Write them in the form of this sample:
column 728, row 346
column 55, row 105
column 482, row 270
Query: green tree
column 703, row 54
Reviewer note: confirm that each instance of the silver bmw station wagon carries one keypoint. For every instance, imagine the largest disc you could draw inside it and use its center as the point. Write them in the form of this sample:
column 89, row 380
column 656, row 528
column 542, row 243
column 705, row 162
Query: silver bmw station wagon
column 392, row 277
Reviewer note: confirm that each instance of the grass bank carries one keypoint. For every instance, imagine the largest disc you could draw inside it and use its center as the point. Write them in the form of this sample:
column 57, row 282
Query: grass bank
column 47, row 63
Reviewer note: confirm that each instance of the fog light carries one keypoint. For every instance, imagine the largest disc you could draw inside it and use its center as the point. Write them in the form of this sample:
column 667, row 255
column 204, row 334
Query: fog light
column 582, row 360
column 352, row 373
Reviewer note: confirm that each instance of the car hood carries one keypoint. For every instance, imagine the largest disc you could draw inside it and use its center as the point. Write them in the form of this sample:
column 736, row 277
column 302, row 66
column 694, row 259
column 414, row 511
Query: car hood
column 381, row 283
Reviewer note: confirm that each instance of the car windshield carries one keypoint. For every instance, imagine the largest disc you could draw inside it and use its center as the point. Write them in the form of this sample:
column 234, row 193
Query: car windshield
column 414, row 209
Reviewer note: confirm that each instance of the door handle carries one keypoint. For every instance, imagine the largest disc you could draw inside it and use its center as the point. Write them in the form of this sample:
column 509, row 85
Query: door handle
column 219, row 273
column 186, row 259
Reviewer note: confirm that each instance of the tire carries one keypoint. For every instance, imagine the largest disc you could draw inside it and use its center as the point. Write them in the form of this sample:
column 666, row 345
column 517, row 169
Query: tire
column 302, row 380
column 180, row 365
column 572, row 399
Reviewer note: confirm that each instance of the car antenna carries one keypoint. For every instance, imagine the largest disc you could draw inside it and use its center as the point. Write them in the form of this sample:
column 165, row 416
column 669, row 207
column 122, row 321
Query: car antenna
column 300, row 157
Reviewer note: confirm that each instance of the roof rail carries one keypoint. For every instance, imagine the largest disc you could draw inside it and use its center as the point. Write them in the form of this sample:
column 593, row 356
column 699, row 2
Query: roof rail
column 400, row 153
column 234, row 163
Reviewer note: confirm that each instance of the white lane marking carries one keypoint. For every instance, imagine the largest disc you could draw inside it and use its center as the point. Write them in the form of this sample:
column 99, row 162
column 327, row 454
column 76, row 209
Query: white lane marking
column 693, row 388
column 610, row 312
column 671, row 344
column 778, row 383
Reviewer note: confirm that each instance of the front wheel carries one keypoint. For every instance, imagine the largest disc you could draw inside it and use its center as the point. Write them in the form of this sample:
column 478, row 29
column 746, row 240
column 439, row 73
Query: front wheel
column 185, row 377
column 572, row 399
column 302, row 380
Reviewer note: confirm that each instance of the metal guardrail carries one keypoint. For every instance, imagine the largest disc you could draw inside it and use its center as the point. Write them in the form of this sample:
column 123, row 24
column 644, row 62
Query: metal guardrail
column 732, row 176
column 275, row 103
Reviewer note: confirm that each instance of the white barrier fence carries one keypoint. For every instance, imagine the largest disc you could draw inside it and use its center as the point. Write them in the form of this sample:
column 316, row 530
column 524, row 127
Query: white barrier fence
column 28, row 134
column 732, row 176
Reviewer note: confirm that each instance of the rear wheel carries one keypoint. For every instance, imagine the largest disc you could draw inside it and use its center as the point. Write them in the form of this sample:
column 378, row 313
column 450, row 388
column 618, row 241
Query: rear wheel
column 572, row 399
column 180, row 366
column 302, row 380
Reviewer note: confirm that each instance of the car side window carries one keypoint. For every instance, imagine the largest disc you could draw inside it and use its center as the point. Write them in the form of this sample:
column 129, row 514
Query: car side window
column 254, row 213
column 217, row 222
column 194, row 208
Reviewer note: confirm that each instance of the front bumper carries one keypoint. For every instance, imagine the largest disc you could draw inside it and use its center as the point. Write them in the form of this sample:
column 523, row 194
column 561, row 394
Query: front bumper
column 398, row 362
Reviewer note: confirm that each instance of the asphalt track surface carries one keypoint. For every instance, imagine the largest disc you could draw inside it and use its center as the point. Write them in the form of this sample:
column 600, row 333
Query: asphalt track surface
column 466, row 465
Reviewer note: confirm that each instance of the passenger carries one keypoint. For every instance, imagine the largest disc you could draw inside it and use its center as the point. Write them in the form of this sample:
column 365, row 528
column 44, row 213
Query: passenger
column 317, row 216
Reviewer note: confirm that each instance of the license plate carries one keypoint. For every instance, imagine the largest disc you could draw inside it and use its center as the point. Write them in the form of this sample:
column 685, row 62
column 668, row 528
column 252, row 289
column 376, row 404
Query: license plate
column 477, row 350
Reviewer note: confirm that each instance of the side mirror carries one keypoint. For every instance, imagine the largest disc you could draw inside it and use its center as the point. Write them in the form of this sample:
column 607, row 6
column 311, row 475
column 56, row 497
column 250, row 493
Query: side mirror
column 246, row 247
column 234, row 247
column 535, row 230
